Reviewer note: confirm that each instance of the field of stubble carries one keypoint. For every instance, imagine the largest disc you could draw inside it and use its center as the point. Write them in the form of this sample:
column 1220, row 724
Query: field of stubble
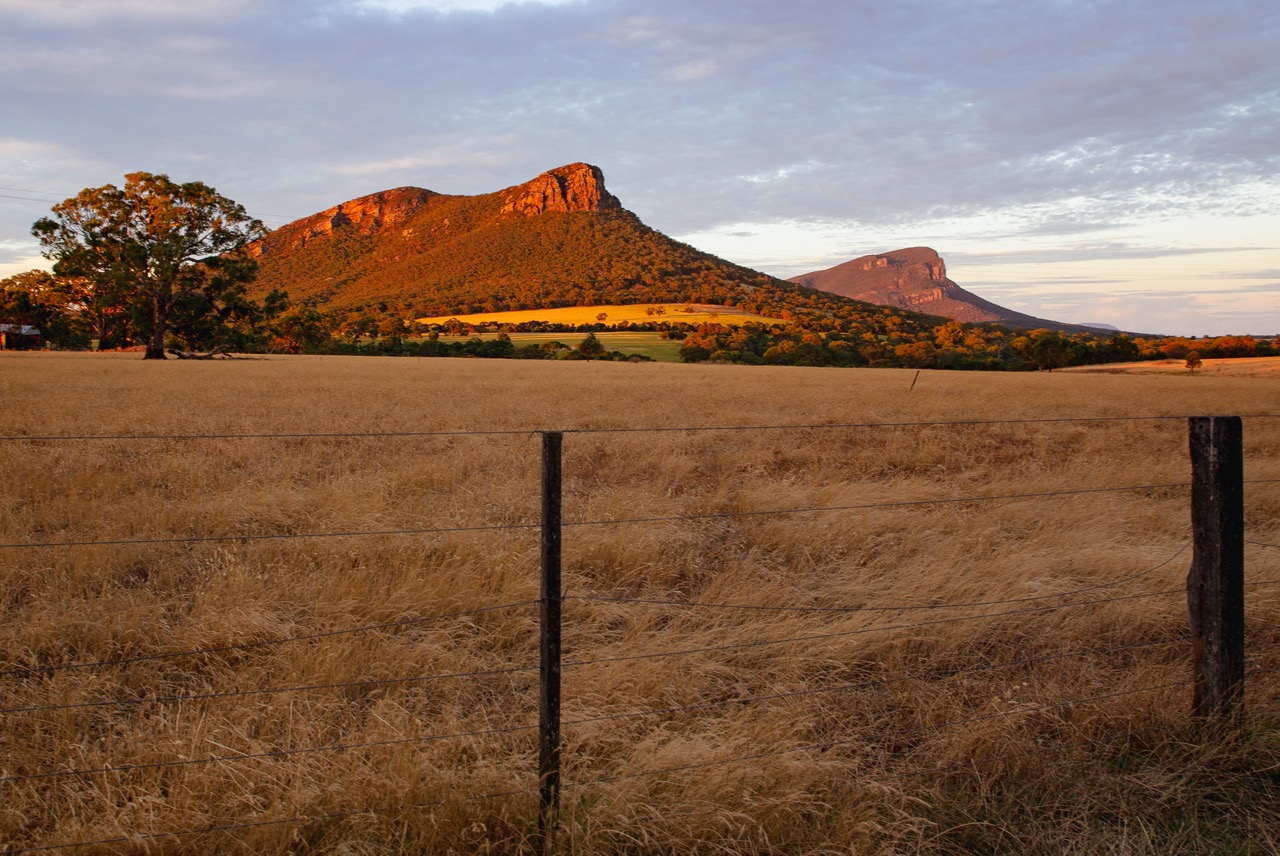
column 897, row 675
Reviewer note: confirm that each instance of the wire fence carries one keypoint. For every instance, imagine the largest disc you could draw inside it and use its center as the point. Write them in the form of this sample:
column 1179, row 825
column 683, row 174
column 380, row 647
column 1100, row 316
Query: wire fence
column 28, row 679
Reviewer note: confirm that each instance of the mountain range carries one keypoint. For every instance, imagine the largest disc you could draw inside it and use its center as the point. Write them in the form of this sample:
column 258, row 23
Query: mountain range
column 562, row 239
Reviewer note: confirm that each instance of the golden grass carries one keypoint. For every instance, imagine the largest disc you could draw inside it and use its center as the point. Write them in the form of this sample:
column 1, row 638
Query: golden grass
column 1017, row 730
column 1239, row 367
column 688, row 313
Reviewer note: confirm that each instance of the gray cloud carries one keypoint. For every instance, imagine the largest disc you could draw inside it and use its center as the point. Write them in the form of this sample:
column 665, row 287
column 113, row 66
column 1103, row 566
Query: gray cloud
column 701, row 114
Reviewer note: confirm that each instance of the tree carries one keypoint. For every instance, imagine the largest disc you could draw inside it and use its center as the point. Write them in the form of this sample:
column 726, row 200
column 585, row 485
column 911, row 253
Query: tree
column 163, row 251
column 1193, row 360
column 1050, row 350
column 591, row 348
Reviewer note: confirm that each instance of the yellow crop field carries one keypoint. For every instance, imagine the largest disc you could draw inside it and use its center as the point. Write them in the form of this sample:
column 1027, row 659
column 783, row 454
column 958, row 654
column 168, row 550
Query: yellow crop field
column 688, row 313
column 287, row 605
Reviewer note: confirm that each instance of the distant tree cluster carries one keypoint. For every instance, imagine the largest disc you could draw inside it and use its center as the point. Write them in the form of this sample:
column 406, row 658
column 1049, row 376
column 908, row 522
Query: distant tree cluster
column 951, row 345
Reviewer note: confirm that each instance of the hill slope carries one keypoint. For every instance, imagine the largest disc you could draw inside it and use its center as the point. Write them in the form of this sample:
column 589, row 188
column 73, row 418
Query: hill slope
column 916, row 278
column 559, row 240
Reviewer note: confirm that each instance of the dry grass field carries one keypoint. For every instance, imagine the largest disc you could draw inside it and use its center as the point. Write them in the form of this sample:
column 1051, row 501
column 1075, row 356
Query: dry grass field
column 1247, row 367
column 194, row 669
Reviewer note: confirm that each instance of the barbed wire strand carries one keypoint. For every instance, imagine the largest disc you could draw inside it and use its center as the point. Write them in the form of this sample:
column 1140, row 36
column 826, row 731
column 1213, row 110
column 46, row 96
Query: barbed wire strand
column 883, row 735
column 279, row 435
column 823, row 746
column 861, row 630
column 597, row 661
column 244, row 646
column 572, row 663
column 258, row 824
column 284, row 536
column 612, row 522
column 375, row 682
column 275, row 753
column 659, row 429
column 907, row 424
column 742, row 700
column 872, row 505
column 891, row 608
column 870, row 683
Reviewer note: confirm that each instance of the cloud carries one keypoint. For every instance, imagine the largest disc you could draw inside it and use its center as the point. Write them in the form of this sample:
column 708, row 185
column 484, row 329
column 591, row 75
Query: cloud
column 1111, row 251
column 86, row 12
column 406, row 6
column 1098, row 127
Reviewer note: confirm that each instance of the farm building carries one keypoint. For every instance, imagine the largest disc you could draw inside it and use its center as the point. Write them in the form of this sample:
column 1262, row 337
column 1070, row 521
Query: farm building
column 19, row 337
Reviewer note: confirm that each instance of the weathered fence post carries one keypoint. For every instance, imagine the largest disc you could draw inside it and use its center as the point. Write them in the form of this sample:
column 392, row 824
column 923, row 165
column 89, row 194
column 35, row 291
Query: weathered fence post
column 1215, row 584
column 549, row 620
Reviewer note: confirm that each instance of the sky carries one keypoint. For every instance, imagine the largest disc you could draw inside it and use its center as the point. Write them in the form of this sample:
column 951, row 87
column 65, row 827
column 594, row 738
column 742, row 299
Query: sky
column 1090, row 162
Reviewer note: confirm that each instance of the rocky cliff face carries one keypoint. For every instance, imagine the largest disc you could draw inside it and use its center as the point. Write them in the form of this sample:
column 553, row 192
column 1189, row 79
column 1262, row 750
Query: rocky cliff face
column 367, row 215
column 576, row 187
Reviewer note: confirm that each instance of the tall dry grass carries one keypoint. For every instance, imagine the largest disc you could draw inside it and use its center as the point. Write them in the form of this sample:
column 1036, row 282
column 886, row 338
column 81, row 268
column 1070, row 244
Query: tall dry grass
column 968, row 708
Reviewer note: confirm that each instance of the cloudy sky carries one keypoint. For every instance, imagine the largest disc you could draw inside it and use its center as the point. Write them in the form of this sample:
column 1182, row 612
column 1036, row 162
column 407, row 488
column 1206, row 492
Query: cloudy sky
column 1113, row 162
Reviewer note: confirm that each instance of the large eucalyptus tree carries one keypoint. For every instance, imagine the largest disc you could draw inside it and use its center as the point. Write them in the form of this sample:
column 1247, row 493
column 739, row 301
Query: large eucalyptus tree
column 167, row 252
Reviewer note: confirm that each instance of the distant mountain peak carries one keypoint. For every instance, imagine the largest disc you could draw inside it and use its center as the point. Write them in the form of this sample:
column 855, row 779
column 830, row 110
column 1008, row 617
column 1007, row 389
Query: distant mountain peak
column 915, row 278
column 573, row 187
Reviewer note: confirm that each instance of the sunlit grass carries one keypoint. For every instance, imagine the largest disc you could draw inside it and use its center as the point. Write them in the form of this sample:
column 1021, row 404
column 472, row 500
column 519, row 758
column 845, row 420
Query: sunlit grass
column 1030, row 731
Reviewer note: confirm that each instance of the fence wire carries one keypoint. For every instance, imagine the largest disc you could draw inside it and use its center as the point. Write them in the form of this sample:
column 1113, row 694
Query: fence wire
column 246, row 646
column 882, row 736
column 846, row 686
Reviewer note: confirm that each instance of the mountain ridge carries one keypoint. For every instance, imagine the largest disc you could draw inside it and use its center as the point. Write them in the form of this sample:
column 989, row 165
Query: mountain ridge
column 560, row 239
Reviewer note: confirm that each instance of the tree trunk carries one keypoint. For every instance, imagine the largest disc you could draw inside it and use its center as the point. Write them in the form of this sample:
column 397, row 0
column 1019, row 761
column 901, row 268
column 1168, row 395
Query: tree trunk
column 155, row 347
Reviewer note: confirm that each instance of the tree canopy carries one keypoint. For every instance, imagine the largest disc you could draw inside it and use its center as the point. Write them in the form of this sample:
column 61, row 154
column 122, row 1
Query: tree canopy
column 170, row 255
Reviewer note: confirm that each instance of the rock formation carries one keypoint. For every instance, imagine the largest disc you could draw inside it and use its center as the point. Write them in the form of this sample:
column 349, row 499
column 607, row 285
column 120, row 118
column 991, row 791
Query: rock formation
column 916, row 278
column 576, row 187
column 367, row 215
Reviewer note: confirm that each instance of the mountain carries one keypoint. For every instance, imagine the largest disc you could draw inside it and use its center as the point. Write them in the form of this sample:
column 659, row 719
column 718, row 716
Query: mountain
column 561, row 239
column 916, row 279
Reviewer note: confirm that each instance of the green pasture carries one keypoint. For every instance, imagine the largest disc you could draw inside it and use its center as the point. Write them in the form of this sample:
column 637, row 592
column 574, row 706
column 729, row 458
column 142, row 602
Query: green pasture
column 645, row 344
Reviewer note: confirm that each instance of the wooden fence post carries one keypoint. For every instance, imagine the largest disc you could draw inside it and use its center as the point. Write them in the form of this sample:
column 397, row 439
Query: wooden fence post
column 1215, row 584
column 549, row 621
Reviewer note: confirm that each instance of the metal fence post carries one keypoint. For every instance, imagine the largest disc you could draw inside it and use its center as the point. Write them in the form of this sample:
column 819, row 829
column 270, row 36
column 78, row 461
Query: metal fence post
column 1215, row 583
column 549, row 621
